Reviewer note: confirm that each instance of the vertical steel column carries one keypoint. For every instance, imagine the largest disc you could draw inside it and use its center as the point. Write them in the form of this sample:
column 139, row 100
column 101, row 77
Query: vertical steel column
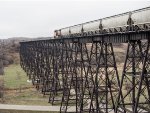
column 72, row 86
column 94, row 62
column 106, row 80
column 47, row 68
column 56, row 89
column 68, row 88
column 130, row 78
column 87, row 79
column 143, row 93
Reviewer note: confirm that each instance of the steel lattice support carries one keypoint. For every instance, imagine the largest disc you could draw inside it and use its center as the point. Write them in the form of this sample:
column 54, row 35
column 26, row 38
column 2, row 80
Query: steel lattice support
column 94, row 69
column 131, row 82
column 71, row 88
column 41, row 63
column 81, row 75
column 143, row 93
column 46, row 79
column 56, row 87
column 105, row 77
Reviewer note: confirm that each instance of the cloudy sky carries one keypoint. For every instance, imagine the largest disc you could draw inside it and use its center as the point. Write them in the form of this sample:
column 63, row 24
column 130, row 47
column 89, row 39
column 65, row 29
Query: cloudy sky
column 35, row 18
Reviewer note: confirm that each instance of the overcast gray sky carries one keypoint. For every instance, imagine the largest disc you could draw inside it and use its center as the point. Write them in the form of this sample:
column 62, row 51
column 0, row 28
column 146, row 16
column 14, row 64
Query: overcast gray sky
column 40, row 18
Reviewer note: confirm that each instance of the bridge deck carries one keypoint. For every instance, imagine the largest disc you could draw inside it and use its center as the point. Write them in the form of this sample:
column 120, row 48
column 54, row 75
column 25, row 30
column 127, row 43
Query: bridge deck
column 110, row 38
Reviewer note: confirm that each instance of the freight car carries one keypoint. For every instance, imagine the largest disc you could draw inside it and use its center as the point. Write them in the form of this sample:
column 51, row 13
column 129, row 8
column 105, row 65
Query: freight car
column 137, row 20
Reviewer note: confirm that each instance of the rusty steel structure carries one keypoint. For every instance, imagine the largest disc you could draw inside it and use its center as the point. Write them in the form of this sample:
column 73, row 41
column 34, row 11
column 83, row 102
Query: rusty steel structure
column 78, row 68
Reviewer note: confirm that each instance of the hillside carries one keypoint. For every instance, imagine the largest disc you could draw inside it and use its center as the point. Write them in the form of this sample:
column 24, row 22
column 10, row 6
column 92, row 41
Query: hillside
column 10, row 50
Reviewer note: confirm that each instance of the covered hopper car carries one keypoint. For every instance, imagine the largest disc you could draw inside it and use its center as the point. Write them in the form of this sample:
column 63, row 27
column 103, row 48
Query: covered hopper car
column 137, row 20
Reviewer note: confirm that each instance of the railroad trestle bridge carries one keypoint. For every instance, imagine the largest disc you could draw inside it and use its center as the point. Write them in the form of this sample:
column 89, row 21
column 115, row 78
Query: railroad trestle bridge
column 79, row 71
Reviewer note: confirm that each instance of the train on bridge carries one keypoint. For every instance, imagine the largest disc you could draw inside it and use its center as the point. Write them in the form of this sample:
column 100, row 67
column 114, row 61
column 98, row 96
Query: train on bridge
column 138, row 20
column 78, row 68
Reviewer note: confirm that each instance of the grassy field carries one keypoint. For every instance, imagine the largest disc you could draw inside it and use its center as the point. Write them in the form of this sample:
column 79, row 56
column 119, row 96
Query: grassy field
column 16, row 79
